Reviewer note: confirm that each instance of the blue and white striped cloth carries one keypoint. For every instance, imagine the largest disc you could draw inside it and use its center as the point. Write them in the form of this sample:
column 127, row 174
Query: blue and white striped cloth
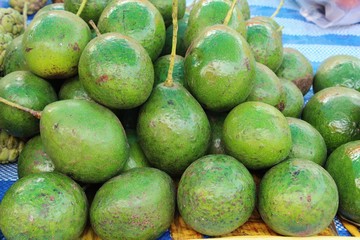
column 315, row 43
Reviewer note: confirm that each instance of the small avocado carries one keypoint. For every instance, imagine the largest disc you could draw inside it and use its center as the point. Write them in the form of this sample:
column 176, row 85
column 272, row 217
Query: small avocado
column 14, row 59
column 92, row 9
column 292, row 99
column 165, row 8
column 161, row 68
column 73, row 89
column 137, row 157
column 217, row 141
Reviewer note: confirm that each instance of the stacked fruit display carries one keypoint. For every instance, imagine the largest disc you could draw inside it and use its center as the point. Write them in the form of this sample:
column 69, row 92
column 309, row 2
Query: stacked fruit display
column 113, row 118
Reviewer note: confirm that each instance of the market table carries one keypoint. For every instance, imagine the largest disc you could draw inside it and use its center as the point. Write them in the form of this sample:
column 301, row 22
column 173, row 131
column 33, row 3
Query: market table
column 314, row 42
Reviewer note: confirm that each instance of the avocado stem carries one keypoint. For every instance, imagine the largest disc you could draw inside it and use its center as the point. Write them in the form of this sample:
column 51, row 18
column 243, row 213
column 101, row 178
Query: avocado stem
column 229, row 13
column 36, row 114
column 169, row 79
column 278, row 9
column 25, row 10
column 82, row 6
column 93, row 25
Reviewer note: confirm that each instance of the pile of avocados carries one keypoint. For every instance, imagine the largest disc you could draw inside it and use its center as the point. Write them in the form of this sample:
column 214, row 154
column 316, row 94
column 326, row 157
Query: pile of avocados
column 152, row 109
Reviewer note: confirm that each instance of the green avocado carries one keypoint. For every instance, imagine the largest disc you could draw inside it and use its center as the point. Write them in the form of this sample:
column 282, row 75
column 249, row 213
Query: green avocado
column 138, row 204
column 307, row 142
column 244, row 8
column 267, row 87
column 217, row 142
column 265, row 39
column 73, row 89
column 165, row 8
column 292, row 99
column 335, row 113
column 338, row 70
column 220, row 68
column 84, row 140
column 344, row 166
column 27, row 90
column 53, row 43
column 44, row 206
column 297, row 68
column 137, row 157
column 173, row 129
column 208, row 13
column 14, row 59
column 216, row 195
column 257, row 134
column 161, row 69
column 54, row 6
column 137, row 19
column 33, row 158
column 116, row 71
column 92, row 9
column 297, row 198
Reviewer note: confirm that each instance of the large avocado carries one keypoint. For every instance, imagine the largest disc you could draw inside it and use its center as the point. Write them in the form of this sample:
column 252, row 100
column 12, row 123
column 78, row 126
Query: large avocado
column 297, row 198
column 216, row 195
column 138, row 204
column 344, row 166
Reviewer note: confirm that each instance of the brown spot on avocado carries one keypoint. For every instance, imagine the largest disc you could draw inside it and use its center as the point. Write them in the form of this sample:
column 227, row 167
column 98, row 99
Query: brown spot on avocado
column 102, row 78
column 28, row 49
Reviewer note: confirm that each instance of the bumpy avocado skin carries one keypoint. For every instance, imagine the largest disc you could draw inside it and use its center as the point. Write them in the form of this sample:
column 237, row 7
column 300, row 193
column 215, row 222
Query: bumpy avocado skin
column 344, row 166
column 257, row 134
column 335, row 113
column 27, row 90
column 116, row 71
column 216, row 195
column 173, row 129
column 292, row 99
column 53, row 43
column 137, row 19
column 44, row 206
column 219, row 68
column 84, row 140
column 161, row 69
column 138, row 204
column 267, row 87
column 165, row 8
column 297, row 68
column 265, row 40
column 297, row 198
column 73, row 89
column 307, row 142
column 338, row 70
column 34, row 159
column 208, row 13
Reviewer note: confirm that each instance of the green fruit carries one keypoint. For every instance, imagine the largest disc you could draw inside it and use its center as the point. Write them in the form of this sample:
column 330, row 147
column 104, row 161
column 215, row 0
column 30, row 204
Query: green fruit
column 161, row 69
column 297, row 68
column 54, row 6
column 43, row 206
column 116, row 71
column 14, row 59
column 216, row 195
column 217, row 142
column 33, row 158
column 84, row 140
column 292, row 99
column 11, row 22
column 10, row 147
column 219, row 68
column 208, row 13
column 344, row 166
column 267, row 87
column 92, row 9
column 338, row 70
column 265, row 40
column 180, row 44
column 244, row 8
column 53, row 43
column 307, row 142
column 138, row 204
column 165, row 8
column 137, row 157
column 335, row 113
column 137, row 19
column 173, row 129
column 5, row 41
column 28, row 90
column 73, row 89
column 297, row 198
column 257, row 134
